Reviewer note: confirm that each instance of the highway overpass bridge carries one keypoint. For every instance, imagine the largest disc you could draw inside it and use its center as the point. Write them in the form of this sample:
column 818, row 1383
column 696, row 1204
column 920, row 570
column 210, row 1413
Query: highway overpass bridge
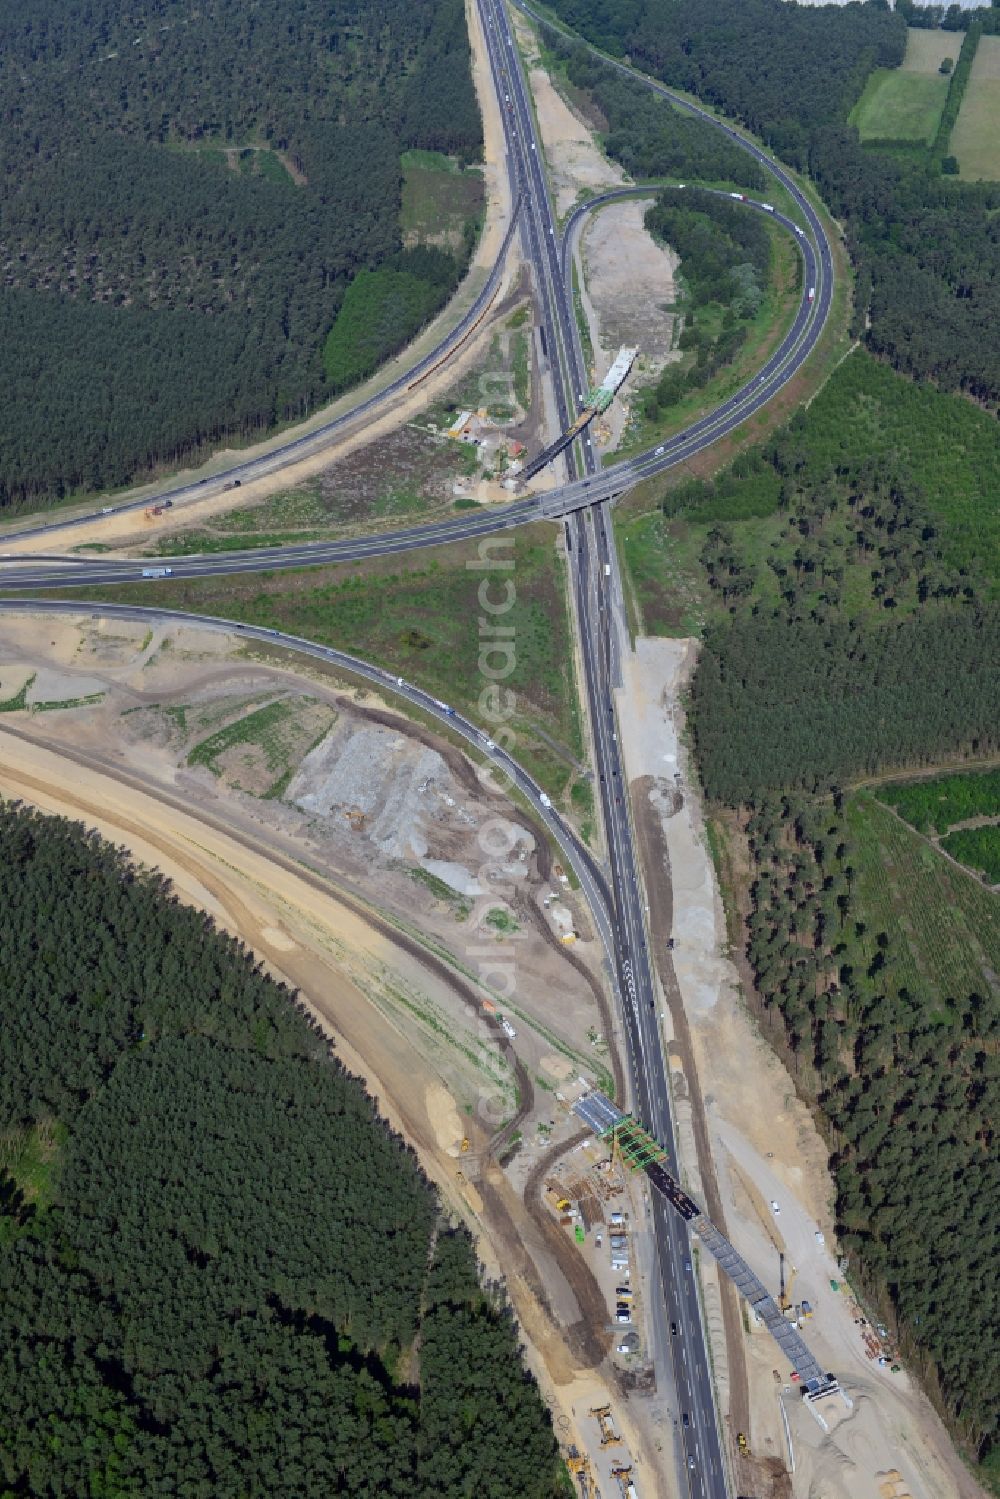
column 640, row 1150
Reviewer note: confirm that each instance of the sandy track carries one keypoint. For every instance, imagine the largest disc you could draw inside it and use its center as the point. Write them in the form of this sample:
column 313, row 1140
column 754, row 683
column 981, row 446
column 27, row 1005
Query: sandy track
column 306, row 930
column 295, row 920
column 763, row 1141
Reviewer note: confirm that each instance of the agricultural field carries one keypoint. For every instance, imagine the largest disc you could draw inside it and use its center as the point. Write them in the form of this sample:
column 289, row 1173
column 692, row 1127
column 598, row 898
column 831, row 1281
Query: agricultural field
column 417, row 615
column 906, row 103
column 947, row 925
column 975, row 139
column 439, row 199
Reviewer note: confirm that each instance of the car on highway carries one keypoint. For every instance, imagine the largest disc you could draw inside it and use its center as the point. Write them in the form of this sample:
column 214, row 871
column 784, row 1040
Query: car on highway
column 690, row 1459
column 685, row 1419
column 673, row 1328
column 687, row 1263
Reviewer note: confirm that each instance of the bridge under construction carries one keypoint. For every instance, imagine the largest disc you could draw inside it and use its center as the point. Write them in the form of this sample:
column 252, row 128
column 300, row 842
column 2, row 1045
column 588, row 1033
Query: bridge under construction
column 640, row 1151
column 598, row 401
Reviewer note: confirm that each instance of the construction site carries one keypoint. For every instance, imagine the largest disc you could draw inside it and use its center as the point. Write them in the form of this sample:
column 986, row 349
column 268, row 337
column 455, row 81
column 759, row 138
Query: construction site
column 596, row 403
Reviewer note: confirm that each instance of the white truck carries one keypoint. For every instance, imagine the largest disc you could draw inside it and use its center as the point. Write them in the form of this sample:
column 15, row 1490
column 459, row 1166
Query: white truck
column 157, row 572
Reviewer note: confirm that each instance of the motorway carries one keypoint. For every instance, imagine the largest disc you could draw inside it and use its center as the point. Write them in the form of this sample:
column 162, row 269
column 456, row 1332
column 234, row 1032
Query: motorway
column 499, row 771
column 37, row 570
column 616, row 895
column 592, row 565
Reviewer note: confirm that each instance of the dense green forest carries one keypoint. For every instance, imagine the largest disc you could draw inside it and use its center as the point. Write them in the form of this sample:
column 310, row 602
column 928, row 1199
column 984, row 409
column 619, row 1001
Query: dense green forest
column 844, row 576
column 892, row 1026
column 926, row 247
column 642, row 131
column 725, row 260
column 185, row 198
column 943, row 803
column 220, row 1273
column 945, row 800
column 851, row 614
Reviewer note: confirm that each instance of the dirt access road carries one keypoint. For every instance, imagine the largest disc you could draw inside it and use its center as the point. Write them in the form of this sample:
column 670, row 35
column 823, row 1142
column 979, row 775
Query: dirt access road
column 759, row 1139
column 262, row 869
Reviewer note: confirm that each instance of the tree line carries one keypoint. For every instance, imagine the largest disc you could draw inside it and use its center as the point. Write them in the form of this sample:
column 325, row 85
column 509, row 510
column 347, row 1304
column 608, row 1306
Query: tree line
column 905, row 1075
column 224, row 1275
column 646, row 134
column 725, row 260
column 926, row 247
column 153, row 300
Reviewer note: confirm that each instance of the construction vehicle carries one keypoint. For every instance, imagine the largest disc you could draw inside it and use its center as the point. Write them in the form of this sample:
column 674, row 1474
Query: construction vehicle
column 465, row 1144
column 623, row 1476
column 785, row 1301
column 580, row 1469
column 602, row 1415
column 743, row 1444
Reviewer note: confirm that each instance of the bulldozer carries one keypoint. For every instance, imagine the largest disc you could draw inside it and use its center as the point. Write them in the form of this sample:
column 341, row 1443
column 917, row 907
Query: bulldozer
column 625, row 1484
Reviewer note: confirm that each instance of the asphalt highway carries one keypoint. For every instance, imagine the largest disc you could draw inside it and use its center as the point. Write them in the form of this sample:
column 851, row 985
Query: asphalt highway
column 593, row 569
column 615, row 895
column 38, row 570
column 498, row 770
column 306, row 443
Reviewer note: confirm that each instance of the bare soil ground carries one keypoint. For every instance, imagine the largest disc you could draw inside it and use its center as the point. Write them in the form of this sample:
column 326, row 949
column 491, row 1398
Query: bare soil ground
column 763, row 1142
column 627, row 279
column 575, row 162
column 331, row 883
column 629, row 296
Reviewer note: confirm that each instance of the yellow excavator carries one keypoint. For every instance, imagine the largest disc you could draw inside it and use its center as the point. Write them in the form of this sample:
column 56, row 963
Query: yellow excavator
column 580, row 1469
column 785, row 1301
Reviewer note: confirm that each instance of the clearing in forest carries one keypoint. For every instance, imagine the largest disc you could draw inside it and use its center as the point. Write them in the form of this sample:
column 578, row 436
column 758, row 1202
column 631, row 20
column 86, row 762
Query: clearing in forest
column 962, row 810
column 905, row 103
column 975, row 140
column 947, row 923
column 440, row 199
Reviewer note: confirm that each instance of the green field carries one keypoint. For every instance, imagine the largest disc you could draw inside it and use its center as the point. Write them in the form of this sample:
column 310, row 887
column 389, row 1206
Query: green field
column 419, row 615
column 975, row 139
column 439, row 199
column 978, row 849
column 906, row 103
column 942, row 449
column 946, row 924
column 941, row 802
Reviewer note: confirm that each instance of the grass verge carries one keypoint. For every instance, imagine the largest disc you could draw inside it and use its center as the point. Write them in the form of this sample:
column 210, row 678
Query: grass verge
column 422, row 616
